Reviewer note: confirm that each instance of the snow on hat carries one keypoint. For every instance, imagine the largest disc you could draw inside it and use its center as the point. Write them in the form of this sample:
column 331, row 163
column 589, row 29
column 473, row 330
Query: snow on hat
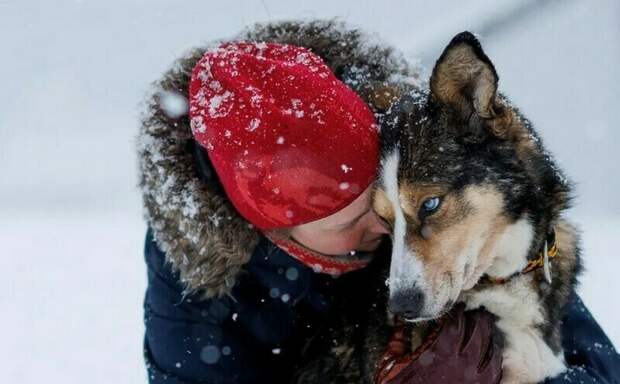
column 290, row 142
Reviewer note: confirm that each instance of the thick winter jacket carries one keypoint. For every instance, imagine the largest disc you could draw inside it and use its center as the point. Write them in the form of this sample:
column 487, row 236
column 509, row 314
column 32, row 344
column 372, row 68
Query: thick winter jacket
column 258, row 334
column 279, row 306
column 223, row 304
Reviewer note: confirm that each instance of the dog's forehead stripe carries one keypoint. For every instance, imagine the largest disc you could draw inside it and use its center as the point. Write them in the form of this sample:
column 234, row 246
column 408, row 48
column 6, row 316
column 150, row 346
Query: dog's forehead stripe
column 389, row 178
column 405, row 269
column 389, row 175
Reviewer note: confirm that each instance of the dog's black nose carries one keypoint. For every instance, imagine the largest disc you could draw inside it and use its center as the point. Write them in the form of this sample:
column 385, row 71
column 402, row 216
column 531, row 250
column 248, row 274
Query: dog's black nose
column 407, row 303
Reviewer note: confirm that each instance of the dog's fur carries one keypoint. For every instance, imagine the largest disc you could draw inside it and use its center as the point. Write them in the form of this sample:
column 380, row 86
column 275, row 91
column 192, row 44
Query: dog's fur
column 501, row 195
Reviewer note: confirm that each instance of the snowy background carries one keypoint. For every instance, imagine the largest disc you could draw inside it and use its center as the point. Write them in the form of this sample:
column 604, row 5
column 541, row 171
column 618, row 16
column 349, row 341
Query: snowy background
column 74, row 72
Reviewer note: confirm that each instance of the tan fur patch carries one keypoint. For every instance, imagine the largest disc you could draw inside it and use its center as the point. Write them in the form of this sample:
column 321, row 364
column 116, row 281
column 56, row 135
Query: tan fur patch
column 383, row 96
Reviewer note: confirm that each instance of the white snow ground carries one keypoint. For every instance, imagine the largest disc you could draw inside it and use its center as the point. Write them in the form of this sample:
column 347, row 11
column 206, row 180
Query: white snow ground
column 73, row 72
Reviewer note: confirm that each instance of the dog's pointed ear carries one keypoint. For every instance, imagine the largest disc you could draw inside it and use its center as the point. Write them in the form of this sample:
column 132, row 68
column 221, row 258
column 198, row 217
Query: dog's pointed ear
column 464, row 78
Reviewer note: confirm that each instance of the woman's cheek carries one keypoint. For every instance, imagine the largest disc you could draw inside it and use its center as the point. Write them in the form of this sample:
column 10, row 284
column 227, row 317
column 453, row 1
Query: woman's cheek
column 353, row 240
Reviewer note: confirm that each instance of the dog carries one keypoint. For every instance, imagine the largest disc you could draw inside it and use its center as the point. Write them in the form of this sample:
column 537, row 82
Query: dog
column 475, row 204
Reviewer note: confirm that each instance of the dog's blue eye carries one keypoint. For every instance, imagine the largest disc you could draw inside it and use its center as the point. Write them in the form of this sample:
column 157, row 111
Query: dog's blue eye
column 431, row 205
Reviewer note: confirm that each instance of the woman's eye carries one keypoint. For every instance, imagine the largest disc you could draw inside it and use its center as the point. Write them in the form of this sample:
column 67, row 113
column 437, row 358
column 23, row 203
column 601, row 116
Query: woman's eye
column 429, row 206
column 387, row 223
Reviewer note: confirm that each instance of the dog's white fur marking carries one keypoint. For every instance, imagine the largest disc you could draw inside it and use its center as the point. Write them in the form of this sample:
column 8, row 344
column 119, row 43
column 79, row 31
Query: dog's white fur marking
column 510, row 252
column 405, row 268
column 527, row 357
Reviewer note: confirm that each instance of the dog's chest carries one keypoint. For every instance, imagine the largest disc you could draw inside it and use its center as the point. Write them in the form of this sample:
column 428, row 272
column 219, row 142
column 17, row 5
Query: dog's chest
column 521, row 317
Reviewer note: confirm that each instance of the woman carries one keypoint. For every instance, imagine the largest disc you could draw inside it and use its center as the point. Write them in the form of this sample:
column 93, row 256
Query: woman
column 260, row 197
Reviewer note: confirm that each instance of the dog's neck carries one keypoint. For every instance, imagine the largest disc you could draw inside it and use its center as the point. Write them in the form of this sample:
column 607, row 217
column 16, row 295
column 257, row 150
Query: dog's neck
column 547, row 251
column 519, row 251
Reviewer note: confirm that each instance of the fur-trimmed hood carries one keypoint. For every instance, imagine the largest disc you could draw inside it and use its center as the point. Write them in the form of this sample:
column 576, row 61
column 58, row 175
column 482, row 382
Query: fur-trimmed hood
column 193, row 222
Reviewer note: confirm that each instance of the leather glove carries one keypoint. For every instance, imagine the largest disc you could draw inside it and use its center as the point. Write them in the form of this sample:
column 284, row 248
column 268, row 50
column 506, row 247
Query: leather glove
column 465, row 347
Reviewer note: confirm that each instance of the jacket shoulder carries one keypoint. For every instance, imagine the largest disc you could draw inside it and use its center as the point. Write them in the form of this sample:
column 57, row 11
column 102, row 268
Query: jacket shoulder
column 590, row 355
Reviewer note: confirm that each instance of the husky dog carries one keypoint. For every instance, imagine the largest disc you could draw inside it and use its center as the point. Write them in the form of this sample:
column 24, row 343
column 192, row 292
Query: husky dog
column 475, row 203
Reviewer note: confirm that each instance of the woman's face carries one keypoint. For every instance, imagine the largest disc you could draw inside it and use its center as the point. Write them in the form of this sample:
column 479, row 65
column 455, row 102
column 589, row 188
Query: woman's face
column 356, row 227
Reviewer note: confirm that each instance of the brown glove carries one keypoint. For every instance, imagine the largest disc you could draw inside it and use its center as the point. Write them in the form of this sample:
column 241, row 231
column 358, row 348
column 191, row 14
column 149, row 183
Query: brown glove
column 465, row 347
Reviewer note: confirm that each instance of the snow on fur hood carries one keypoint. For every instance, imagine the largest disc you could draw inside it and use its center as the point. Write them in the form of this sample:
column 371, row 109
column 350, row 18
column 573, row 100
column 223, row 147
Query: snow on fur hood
column 202, row 235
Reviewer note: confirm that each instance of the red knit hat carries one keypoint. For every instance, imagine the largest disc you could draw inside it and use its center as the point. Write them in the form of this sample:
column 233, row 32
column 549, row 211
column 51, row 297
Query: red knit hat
column 289, row 141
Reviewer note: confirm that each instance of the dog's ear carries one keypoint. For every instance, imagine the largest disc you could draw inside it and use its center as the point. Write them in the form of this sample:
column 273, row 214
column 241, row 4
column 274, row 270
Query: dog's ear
column 465, row 80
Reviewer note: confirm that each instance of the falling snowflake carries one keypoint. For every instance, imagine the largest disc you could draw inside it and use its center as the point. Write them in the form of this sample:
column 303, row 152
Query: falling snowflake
column 210, row 354
column 292, row 273
column 173, row 104
column 274, row 293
